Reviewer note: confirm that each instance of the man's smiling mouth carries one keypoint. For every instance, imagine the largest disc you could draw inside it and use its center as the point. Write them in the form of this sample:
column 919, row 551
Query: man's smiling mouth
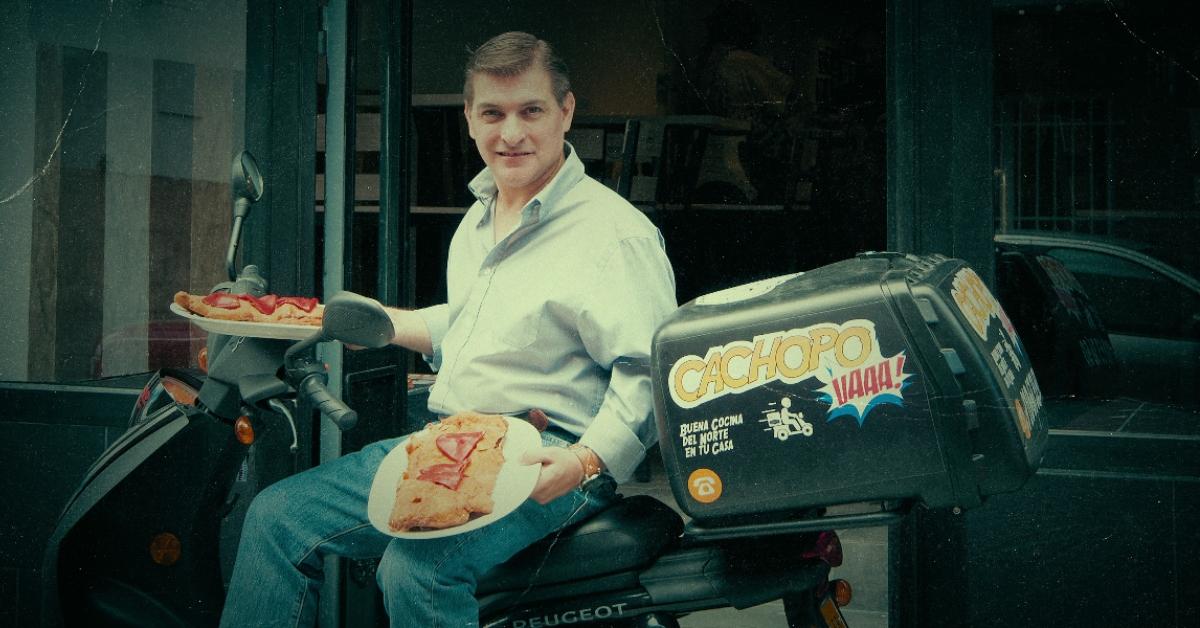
column 514, row 153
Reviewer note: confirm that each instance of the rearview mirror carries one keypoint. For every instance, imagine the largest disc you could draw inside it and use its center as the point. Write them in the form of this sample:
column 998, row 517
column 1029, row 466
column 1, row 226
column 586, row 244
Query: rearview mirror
column 357, row 320
column 246, row 180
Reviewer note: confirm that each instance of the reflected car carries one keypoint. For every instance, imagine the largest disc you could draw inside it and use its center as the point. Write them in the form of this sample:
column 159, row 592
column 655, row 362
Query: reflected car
column 1149, row 309
column 173, row 343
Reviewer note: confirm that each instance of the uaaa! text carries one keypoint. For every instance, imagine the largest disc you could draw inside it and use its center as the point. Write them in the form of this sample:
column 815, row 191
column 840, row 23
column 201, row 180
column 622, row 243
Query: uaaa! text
column 708, row 437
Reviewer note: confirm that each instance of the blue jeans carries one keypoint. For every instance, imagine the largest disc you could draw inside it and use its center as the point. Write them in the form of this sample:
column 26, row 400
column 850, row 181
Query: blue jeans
column 294, row 524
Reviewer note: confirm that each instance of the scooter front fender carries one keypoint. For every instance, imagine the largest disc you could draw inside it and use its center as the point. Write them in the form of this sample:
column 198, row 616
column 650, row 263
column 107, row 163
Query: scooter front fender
column 169, row 475
column 129, row 451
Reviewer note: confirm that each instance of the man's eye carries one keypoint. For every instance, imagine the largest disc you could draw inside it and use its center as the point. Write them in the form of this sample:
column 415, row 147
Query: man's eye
column 491, row 113
column 533, row 111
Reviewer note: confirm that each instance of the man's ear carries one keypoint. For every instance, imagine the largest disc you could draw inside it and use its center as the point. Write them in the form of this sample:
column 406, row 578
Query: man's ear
column 568, row 107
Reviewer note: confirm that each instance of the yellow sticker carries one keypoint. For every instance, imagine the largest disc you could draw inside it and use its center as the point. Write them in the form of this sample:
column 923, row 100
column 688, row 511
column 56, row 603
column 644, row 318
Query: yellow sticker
column 704, row 486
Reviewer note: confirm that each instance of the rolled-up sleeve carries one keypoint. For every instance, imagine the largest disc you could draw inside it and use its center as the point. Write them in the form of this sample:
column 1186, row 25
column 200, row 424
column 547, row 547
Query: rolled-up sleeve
column 437, row 320
column 632, row 292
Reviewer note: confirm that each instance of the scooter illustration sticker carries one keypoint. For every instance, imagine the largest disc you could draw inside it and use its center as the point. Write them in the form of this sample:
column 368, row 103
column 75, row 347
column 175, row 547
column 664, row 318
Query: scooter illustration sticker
column 784, row 423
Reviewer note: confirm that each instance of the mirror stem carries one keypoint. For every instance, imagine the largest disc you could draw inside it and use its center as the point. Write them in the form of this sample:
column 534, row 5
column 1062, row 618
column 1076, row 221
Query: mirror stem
column 235, row 237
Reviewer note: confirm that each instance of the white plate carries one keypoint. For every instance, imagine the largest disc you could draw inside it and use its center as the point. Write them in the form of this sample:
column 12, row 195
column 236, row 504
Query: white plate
column 278, row 331
column 514, row 483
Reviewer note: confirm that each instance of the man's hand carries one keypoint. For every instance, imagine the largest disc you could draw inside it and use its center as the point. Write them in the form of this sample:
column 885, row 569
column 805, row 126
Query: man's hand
column 410, row 330
column 561, row 472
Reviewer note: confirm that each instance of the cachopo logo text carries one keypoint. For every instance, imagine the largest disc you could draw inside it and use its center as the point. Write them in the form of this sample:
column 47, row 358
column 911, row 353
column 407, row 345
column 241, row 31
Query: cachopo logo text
column 977, row 304
column 787, row 356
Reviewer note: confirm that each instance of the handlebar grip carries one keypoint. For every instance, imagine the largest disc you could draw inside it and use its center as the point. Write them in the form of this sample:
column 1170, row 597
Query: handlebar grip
column 314, row 389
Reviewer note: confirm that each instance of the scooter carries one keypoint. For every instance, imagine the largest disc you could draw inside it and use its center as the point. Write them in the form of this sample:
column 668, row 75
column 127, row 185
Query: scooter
column 149, row 537
column 109, row 566
column 902, row 374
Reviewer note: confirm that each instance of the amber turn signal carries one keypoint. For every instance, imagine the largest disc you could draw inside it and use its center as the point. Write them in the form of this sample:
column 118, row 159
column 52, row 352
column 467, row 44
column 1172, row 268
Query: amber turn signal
column 243, row 430
column 165, row 549
column 842, row 593
column 179, row 391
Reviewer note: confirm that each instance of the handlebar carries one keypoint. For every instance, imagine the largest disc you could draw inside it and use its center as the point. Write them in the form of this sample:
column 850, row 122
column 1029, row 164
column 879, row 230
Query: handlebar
column 313, row 388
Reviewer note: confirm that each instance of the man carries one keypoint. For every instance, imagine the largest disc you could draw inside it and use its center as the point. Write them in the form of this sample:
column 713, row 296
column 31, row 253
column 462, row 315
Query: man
column 555, row 286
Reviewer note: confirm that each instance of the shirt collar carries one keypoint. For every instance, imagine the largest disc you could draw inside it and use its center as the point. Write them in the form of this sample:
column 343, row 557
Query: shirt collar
column 483, row 186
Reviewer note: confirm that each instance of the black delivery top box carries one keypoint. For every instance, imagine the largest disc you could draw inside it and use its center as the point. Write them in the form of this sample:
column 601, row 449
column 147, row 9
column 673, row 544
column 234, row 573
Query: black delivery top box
column 883, row 377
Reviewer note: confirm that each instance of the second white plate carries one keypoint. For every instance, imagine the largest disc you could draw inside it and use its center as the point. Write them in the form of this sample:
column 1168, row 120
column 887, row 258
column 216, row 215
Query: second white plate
column 514, row 484
column 248, row 329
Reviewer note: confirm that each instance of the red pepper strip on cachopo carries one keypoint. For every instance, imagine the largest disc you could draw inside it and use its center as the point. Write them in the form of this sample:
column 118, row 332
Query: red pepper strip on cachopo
column 459, row 445
column 449, row 475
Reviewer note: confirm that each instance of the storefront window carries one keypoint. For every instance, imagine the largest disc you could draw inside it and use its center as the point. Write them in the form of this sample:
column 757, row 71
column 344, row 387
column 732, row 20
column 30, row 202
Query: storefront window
column 1097, row 125
column 1096, row 144
column 118, row 121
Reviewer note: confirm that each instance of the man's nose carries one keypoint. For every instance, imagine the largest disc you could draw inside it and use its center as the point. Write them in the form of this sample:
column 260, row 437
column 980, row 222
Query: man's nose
column 512, row 130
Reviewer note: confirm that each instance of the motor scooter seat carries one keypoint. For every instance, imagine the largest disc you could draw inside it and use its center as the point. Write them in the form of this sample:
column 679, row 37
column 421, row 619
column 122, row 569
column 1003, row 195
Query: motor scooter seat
column 628, row 535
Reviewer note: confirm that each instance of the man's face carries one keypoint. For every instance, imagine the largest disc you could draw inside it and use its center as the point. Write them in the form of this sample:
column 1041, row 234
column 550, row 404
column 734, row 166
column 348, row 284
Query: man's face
column 519, row 129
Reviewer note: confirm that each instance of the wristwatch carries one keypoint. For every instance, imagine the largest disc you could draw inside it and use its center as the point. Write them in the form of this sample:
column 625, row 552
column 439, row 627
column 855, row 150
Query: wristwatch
column 588, row 460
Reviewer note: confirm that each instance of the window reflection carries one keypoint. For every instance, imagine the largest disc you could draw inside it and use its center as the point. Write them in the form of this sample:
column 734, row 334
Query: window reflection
column 1096, row 133
column 119, row 122
column 1096, row 129
column 1133, row 298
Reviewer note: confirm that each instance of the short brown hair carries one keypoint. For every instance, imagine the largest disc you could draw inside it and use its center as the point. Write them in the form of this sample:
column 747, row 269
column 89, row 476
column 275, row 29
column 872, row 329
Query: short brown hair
column 511, row 54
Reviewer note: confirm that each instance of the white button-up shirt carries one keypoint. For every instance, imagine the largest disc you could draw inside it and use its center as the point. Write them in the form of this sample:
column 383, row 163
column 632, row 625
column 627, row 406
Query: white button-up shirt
column 558, row 315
